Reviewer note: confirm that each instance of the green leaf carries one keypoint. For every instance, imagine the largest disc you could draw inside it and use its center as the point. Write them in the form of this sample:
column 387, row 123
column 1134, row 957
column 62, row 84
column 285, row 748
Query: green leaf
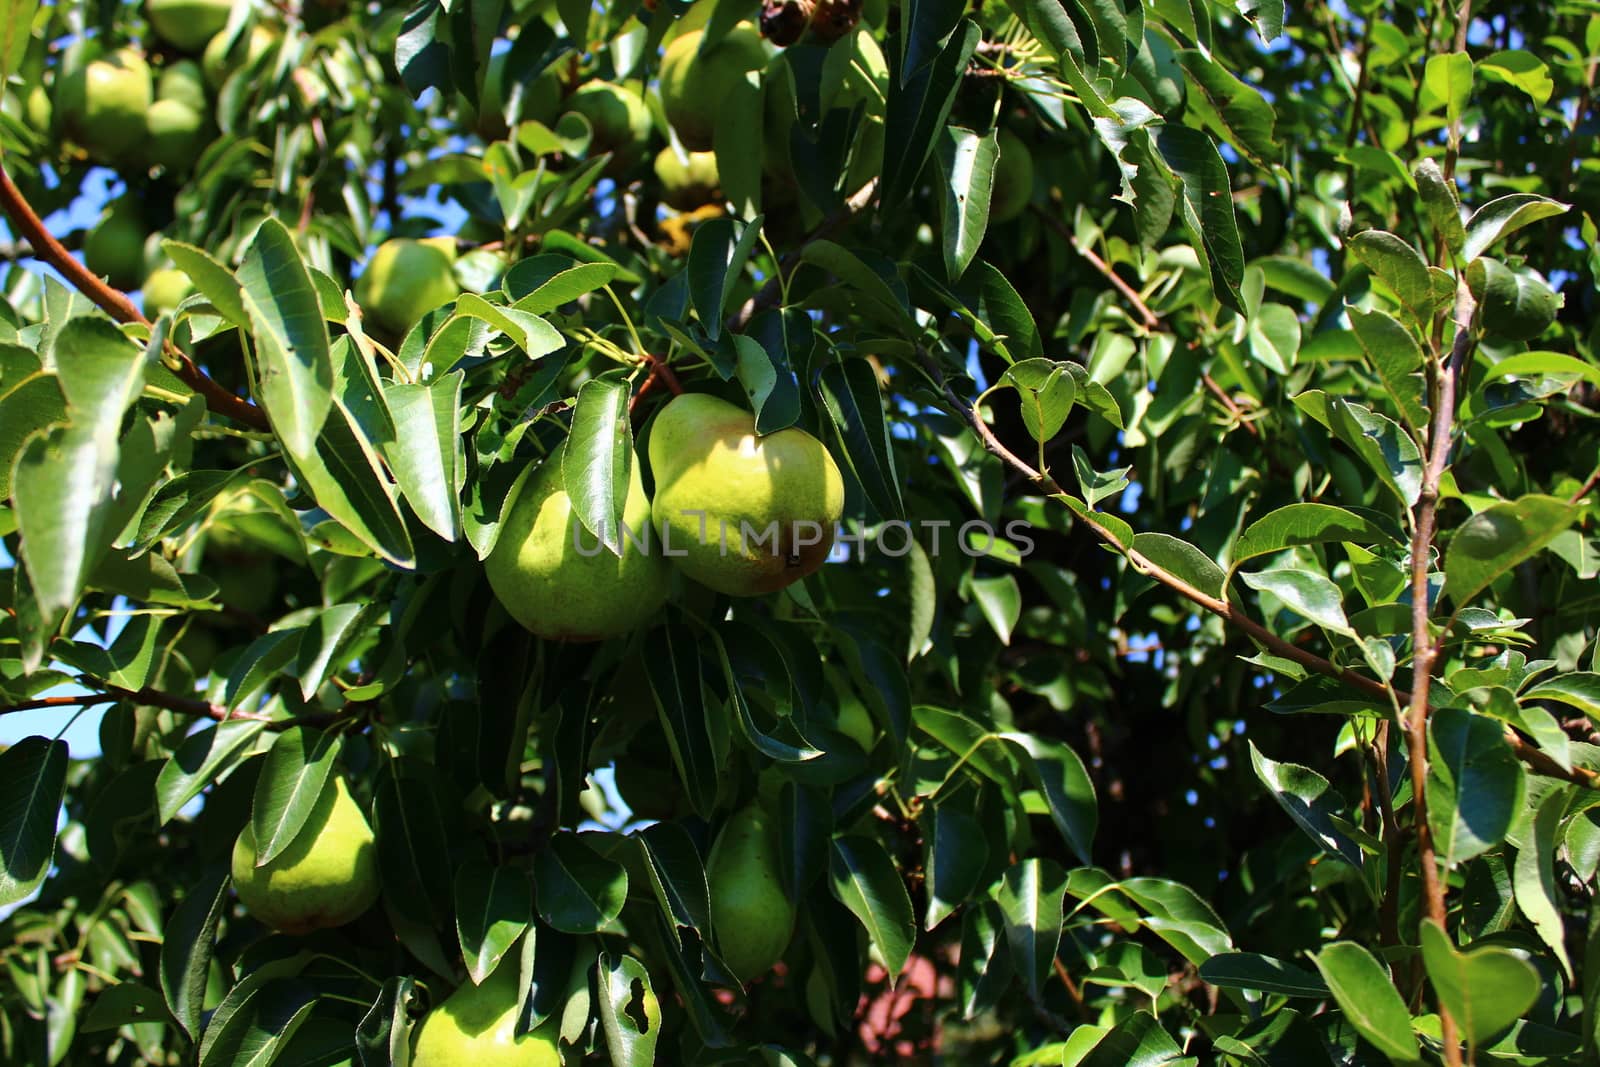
column 16, row 29
column 1047, row 389
column 1400, row 267
column 213, row 281
column 1312, row 803
column 535, row 336
column 1485, row 989
column 917, row 110
column 1207, row 208
column 347, row 479
column 1580, row 689
column 677, row 875
column 1236, row 112
column 1476, row 784
column 1447, row 80
column 967, row 161
column 1305, row 524
column 33, row 779
column 383, row 1037
column 1097, row 486
column 327, row 634
column 1059, row 774
column 1505, row 215
column 1137, row 1041
column 1513, row 302
column 578, row 891
column 1533, row 876
column 1443, row 204
column 292, row 779
column 872, row 294
column 984, row 970
column 598, row 458
column 999, row 599
column 956, row 853
column 1306, row 593
column 630, row 1014
column 202, row 756
column 1388, row 450
column 1369, row 1000
column 30, row 401
column 1521, row 70
column 411, row 839
column 541, row 284
column 122, row 1004
column 717, row 257
column 854, row 404
column 187, row 946
column 1182, row 559
column 673, row 671
column 768, row 744
column 864, row 879
column 494, row 905
column 1250, row 970
column 1030, row 896
column 293, row 358
column 1274, row 336
column 1497, row 539
column 1397, row 357
column 736, row 139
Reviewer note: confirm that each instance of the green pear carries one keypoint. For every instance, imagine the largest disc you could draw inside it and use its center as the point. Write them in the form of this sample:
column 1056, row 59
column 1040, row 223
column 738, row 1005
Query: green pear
column 617, row 115
column 221, row 59
column 184, row 82
column 39, row 110
column 554, row 576
column 164, row 290
column 114, row 249
column 327, row 876
column 695, row 88
column 177, row 132
column 1013, row 179
column 476, row 1027
column 752, row 918
column 742, row 514
column 687, row 184
column 103, row 102
column 187, row 24
column 404, row 280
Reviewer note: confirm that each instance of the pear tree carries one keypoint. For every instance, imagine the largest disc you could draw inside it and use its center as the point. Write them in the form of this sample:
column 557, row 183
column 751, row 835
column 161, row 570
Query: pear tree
column 813, row 533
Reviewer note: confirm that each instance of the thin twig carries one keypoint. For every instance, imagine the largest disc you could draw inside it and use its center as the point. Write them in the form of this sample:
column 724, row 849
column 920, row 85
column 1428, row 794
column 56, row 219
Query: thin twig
column 116, row 304
column 659, row 372
column 183, row 705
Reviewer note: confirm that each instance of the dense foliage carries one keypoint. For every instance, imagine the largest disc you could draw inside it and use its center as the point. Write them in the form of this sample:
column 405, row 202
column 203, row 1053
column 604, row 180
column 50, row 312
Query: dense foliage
column 1207, row 672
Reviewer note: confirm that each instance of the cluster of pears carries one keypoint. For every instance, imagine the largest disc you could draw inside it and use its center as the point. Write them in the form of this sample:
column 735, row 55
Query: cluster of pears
column 741, row 513
column 326, row 877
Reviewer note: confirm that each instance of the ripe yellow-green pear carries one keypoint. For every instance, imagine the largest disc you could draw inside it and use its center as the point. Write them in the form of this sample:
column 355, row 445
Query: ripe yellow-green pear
column 404, row 280
column 114, row 249
column 695, row 87
column 103, row 103
column 187, row 24
column 39, row 110
column 164, row 290
column 689, row 184
column 184, row 82
column 220, row 60
column 767, row 506
column 1013, row 179
column 554, row 576
column 327, row 876
column 177, row 132
column 617, row 115
column 752, row 918
column 476, row 1027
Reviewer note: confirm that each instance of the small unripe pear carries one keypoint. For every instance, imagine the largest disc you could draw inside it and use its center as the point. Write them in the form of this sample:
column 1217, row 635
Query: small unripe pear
column 752, row 918
column 749, row 514
column 689, row 184
column 475, row 1026
column 327, row 876
column 164, row 290
column 403, row 281
column 103, row 104
column 219, row 60
column 114, row 249
column 184, row 82
column 557, row 591
column 176, row 135
column 695, row 88
column 188, row 24
column 1013, row 179
column 617, row 115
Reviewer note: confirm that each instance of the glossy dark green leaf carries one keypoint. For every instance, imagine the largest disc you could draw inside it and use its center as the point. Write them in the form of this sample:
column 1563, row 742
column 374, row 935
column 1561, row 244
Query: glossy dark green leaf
column 1233, row 110
column 1497, row 539
column 1397, row 357
column 295, row 772
column 203, row 756
column 578, row 891
column 1580, row 689
column 291, row 338
column 1312, row 803
column 1030, row 896
column 854, row 404
column 717, row 257
column 494, row 905
column 984, row 970
column 771, row 744
column 1250, row 970
column 426, row 455
column 1207, row 208
column 864, row 879
column 766, row 369
column 541, row 284
column 33, row 775
column 955, row 853
column 597, row 459
column 383, row 1037
column 1369, row 1000
column 677, row 874
column 1512, row 302
column 917, row 109
column 1534, row 878
column 1305, row 524
column 1503, row 216
column 1137, row 1041
column 630, row 1014
column 411, row 839
column 967, row 161
column 803, row 824
column 1475, row 787
column 124, row 1003
column 345, row 475
column 1060, row 775
column 187, row 948
column 675, row 680
column 1485, row 989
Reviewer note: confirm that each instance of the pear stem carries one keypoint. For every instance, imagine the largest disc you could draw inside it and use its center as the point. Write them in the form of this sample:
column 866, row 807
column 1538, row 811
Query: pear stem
column 115, row 303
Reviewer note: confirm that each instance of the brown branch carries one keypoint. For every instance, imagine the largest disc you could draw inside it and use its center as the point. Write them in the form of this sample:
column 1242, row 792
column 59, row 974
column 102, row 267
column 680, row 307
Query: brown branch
column 772, row 291
column 659, row 372
column 183, row 705
column 1583, row 490
column 116, row 304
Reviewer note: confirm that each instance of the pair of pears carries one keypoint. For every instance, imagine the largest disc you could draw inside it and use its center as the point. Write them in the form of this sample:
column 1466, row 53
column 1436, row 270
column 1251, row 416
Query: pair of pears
column 742, row 514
